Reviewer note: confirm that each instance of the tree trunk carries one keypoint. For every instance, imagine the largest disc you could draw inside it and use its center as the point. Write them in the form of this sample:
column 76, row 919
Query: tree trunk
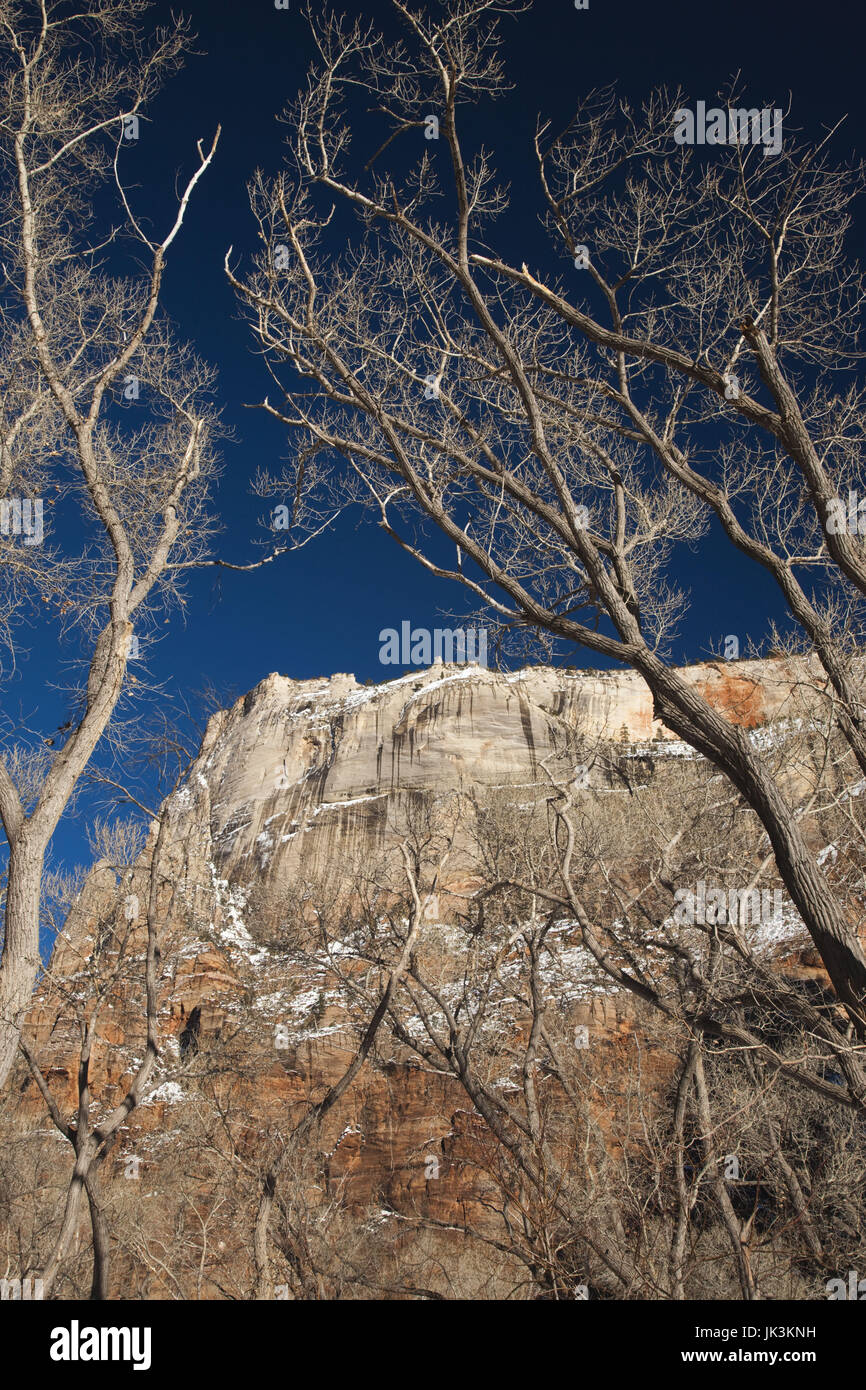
column 694, row 720
column 20, row 964
column 101, row 1246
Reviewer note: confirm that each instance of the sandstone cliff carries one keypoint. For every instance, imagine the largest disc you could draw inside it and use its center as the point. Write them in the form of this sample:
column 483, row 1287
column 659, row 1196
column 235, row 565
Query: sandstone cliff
column 306, row 780
column 304, row 776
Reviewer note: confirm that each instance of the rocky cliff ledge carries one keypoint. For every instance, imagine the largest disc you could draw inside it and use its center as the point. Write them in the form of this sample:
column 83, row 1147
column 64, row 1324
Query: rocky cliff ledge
column 304, row 779
column 305, row 775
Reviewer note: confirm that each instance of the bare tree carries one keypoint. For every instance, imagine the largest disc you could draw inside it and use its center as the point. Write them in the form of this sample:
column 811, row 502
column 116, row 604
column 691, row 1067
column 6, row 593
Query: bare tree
column 657, row 1109
column 93, row 1139
column 699, row 1150
column 569, row 435
column 102, row 411
column 312, row 1119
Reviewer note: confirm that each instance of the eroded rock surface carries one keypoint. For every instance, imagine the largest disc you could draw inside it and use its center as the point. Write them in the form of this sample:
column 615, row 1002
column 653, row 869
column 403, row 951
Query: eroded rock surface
column 306, row 779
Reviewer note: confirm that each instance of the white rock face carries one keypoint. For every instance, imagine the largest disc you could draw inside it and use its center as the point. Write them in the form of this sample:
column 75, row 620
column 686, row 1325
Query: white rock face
column 304, row 777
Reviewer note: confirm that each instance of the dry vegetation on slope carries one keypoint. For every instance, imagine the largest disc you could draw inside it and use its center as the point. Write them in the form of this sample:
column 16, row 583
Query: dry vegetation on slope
column 486, row 1054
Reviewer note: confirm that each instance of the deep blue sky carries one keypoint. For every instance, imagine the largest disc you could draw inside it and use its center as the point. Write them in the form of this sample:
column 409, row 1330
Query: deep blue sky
column 320, row 611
